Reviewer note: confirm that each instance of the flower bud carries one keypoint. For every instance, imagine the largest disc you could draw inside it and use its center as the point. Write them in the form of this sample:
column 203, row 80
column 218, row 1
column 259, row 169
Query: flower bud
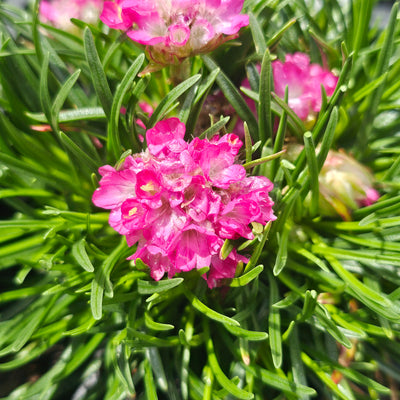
column 345, row 185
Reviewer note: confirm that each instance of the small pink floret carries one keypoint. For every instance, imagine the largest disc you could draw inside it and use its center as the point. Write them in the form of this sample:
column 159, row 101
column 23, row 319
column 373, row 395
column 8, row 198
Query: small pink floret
column 179, row 201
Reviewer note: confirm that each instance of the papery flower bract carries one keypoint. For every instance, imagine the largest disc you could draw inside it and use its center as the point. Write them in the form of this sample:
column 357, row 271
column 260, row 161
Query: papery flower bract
column 304, row 82
column 179, row 201
column 60, row 12
column 173, row 30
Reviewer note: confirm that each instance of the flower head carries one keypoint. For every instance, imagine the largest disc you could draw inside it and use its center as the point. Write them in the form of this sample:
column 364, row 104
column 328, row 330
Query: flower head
column 173, row 30
column 179, row 201
column 304, row 82
column 60, row 12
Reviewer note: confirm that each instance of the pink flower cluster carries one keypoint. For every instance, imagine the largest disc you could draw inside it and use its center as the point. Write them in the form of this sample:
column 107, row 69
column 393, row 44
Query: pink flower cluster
column 304, row 81
column 175, row 29
column 60, row 12
column 180, row 201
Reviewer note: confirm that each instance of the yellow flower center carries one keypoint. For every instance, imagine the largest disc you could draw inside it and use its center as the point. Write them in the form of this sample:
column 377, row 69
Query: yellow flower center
column 150, row 188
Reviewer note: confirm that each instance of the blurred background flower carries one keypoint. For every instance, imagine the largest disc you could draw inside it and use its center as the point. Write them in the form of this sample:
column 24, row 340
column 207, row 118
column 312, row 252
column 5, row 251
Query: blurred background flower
column 60, row 12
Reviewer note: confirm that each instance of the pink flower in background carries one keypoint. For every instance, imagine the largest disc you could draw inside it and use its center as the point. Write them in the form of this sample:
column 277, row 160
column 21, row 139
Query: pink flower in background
column 304, row 82
column 173, row 30
column 179, row 201
column 60, row 12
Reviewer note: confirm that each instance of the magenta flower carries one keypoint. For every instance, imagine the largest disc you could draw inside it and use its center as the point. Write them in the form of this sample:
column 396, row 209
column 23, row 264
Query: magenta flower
column 60, row 12
column 304, row 81
column 173, row 30
column 179, row 201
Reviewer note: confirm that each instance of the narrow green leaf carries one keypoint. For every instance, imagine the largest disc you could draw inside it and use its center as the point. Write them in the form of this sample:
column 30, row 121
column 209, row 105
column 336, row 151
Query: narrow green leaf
column 274, row 324
column 368, row 88
column 113, row 135
column 35, row 31
column 156, row 326
column 280, row 136
column 361, row 16
column 328, row 138
column 61, row 97
column 310, row 302
column 299, row 375
column 170, row 98
column 373, row 101
column 206, row 85
column 380, row 304
column 101, row 279
column 290, row 299
column 264, row 105
column 343, row 321
column 387, row 47
column 187, row 105
column 276, row 37
column 21, row 192
column 281, row 256
column 279, row 382
column 233, row 96
column 246, row 334
column 325, row 320
column 247, row 277
column 263, row 160
column 293, row 118
column 151, row 391
column 98, row 75
column 323, row 376
column 123, row 368
column 81, row 114
column 44, row 89
column 258, row 34
column 207, row 311
column 299, row 249
column 208, row 379
column 153, row 355
column 29, row 325
column 83, row 352
column 78, row 152
column 150, row 287
column 140, row 339
column 253, row 76
column 248, row 144
column 80, row 255
column 393, row 171
column 313, row 173
column 226, row 249
column 222, row 379
column 215, row 128
column 257, row 251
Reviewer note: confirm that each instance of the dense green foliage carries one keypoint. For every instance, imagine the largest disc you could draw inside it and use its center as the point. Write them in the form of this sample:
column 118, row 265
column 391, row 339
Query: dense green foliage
column 315, row 313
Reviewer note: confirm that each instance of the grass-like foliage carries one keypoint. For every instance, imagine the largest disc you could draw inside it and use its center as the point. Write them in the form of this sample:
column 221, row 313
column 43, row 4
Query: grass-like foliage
column 316, row 311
